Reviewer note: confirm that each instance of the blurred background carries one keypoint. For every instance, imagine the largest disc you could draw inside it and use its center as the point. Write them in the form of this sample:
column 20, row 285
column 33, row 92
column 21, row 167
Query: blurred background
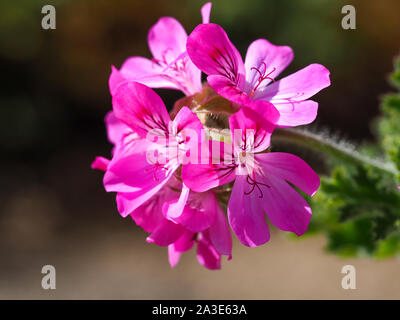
column 54, row 96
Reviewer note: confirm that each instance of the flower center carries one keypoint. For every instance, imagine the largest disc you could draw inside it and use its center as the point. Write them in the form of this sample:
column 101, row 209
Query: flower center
column 254, row 184
column 262, row 76
column 157, row 166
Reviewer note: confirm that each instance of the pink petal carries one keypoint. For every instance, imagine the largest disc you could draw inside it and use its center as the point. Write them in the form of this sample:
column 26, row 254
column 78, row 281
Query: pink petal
column 206, row 254
column 167, row 39
column 115, row 79
column 100, row 163
column 132, row 173
column 190, row 128
column 296, row 113
column 173, row 256
column 252, row 128
column 185, row 242
column 265, row 57
column 147, row 216
column 141, row 70
column 205, row 12
column 246, row 216
column 285, row 208
column 140, row 108
column 291, row 168
column 298, row 86
column 213, row 168
column 213, row 53
column 165, row 233
column 220, row 235
column 174, row 208
column 116, row 129
column 199, row 213
column 228, row 89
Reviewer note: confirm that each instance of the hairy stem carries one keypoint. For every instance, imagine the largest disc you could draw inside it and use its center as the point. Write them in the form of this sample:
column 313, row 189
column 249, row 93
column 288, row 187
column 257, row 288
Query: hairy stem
column 328, row 146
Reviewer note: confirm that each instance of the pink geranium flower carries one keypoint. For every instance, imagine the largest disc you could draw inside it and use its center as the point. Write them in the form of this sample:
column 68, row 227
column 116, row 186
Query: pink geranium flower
column 201, row 220
column 260, row 182
column 130, row 172
column 213, row 53
column 173, row 220
column 170, row 66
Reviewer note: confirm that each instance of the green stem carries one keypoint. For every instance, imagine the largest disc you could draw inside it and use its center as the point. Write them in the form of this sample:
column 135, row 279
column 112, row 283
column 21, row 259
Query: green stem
column 328, row 146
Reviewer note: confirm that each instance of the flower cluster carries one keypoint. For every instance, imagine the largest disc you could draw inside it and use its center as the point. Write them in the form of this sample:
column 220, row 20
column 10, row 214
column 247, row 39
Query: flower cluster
column 176, row 174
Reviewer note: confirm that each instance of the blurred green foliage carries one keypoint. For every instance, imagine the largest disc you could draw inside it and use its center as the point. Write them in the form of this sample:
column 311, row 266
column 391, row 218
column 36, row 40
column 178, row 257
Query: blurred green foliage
column 358, row 206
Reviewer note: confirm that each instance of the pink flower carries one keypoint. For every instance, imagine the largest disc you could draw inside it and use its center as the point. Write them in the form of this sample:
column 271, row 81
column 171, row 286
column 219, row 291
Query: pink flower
column 201, row 220
column 170, row 66
column 130, row 172
column 213, row 53
column 260, row 182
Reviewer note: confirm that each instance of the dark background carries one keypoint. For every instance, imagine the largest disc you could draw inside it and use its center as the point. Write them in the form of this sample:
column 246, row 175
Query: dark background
column 54, row 95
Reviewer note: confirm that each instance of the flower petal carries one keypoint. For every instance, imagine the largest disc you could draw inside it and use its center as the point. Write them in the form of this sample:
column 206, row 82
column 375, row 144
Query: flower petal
column 167, row 39
column 265, row 57
column 116, row 129
column 205, row 12
column 251, row 131
column 213, row 168
column 190, row 128
column 173, row 256
column 298, row 86
column 213, row 53
column 133, row 173
column 206, row 254
column 291, row 168
column 100, row 163
column 220, row 235
column 140, row 108
column 165, row 233
column 174, row 208
column 296, row 113
column 285, row 208
column 141, row 70
column 246, row 216
column 185, row 242
column 199, row 213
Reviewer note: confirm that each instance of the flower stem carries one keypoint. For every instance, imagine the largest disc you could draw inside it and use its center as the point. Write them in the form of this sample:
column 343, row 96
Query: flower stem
column 341, row 151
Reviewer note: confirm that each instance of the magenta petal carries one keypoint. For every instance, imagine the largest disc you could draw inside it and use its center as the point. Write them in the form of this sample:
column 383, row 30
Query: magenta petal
column 285, row 208
column 213, row 168
column 298, row 86
column 140, row 108
column 185, row 242
column 199, row 213
column 167, row 39
column 291, row 168
column 262, row 56
column 147, row 72
column 190, row 129
column 252, row 130
column 220, row 234
column 296, row 113
column 173, row 256
column 147, row 216
column 174, row 208
column 165, row 233
column 206, row 254
column 205, row 12
column 246, row 216
column 115, row 79
column 100, row 163
column 213, row 53
column 133, row 174
column 116, row 129
column 228, row 89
